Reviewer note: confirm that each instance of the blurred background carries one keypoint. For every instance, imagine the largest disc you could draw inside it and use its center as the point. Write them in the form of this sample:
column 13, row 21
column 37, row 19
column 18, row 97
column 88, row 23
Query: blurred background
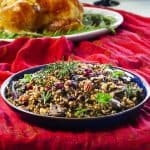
column 140, row 7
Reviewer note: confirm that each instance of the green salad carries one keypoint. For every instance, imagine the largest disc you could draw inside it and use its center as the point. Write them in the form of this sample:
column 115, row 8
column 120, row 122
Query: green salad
column 90, row 22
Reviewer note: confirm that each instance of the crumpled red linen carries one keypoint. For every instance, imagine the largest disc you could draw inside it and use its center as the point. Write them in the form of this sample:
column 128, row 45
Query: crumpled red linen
column 128, row 48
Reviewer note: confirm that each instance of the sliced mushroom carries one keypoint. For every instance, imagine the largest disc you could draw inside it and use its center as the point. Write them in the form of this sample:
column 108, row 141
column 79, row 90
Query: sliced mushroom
column 14, row 90
column 118, row 93
column 96, row 78
column 71, row 83
column 56, row 110
column 115, row 104
column 78, row 78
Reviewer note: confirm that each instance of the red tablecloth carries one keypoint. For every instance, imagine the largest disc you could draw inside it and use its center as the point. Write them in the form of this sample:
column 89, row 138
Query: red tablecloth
column 129, row 48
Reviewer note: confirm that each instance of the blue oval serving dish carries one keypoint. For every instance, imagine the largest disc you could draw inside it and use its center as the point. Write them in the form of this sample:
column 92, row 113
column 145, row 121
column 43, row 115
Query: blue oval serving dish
column 79, row 123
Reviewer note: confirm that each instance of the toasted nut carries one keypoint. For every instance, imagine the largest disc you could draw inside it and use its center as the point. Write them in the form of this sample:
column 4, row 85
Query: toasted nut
column 88, row 85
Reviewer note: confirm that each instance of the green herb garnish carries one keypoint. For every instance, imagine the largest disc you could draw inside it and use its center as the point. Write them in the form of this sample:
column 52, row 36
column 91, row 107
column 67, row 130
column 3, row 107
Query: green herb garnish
column 80, row 112
column 26, row 78
column 64, row 68
column 117, row 73
column 46, row 95
column 130, row 91
column 103, row 98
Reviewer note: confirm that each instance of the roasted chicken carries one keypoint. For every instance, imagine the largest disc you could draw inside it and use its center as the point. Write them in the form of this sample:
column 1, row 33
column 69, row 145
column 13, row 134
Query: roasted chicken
column 40, row 15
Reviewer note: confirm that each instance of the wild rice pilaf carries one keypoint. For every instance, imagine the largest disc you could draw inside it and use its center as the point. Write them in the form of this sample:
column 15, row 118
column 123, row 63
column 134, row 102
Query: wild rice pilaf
column 75, row 90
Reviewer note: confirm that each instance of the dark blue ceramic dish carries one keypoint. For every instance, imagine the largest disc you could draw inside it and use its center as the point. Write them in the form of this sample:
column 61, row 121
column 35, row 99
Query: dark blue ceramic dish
column 75, row 123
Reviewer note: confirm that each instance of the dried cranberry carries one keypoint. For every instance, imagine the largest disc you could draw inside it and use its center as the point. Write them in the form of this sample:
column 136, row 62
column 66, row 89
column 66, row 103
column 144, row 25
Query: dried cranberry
column 88, row 72
column 29, row 87
column 59, row 85
column 47, row 88
column 25, row 103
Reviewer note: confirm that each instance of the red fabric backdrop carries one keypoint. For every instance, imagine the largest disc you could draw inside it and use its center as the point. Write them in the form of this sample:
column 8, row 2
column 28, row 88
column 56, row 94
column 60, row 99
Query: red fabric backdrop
column 129, row 48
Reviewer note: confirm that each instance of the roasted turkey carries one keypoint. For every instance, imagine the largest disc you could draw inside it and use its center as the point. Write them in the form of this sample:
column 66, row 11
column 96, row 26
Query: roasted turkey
column 40, row 15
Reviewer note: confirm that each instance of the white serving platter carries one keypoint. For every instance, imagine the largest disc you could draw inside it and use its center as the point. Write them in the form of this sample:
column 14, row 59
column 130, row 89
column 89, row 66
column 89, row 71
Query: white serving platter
column 94, row 33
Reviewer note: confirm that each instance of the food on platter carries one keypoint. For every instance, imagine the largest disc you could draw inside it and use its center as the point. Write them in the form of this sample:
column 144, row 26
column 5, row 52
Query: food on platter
column 38, row 18
column 35, row 15
column 75, row 90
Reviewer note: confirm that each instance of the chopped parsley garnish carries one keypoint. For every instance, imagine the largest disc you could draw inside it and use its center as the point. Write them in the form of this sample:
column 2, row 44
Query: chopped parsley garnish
column 26, row 78
column 103, row 98
column 80, row 112
column 117, row 73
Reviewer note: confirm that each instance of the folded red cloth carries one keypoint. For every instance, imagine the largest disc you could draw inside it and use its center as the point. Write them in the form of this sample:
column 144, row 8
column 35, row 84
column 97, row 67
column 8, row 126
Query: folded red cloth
column 129, row 48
